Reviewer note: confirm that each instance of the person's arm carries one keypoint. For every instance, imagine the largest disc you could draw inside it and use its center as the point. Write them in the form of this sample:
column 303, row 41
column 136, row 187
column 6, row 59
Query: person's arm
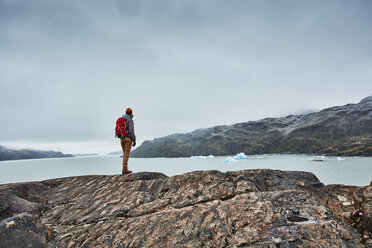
column 131, row 133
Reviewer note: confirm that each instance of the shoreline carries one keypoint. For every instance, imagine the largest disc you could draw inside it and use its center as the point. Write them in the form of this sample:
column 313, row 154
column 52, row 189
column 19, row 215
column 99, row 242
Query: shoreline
column 331, row 170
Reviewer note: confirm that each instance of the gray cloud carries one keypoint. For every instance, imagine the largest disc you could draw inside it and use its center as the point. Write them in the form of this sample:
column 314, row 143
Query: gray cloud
column 68, row 69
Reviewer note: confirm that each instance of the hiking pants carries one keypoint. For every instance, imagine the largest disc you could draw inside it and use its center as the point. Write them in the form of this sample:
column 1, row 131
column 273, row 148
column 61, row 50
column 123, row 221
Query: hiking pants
column 126, row 144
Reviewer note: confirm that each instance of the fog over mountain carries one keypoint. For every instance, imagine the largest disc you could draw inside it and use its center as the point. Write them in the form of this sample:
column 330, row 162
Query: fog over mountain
column 68, row 69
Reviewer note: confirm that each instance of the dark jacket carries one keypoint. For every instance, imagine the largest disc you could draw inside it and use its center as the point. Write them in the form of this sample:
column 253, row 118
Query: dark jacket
column 130, row 127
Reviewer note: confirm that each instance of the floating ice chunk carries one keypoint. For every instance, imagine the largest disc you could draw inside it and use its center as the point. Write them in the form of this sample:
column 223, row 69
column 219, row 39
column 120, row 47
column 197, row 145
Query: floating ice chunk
column 340, row 159
column 202, row 157
column 230, row 160
column 317, row 158
column 198, row 157
column 240, row 156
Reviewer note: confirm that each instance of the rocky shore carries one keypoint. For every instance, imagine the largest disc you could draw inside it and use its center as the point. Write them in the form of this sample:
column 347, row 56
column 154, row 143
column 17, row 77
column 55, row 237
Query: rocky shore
column 250, row 208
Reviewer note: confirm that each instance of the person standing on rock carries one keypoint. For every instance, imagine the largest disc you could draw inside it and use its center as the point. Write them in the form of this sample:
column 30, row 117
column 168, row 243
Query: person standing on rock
column 128, row 140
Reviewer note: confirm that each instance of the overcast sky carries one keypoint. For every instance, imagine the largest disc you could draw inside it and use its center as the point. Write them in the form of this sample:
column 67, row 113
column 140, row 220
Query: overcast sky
column 68, row 69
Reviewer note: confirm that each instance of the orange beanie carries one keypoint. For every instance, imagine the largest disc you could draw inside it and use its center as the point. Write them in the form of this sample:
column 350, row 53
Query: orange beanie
column 128, row 111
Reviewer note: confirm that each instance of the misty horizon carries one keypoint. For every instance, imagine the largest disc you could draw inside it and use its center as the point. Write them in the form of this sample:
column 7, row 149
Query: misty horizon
column 102, row 148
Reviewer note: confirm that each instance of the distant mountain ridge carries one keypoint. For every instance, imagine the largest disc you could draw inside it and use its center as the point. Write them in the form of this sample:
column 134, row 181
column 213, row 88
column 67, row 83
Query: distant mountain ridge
column 340, row 131
column 11, row 154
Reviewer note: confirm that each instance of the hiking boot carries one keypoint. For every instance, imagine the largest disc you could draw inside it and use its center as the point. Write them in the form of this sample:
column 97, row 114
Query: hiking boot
column 126, row 171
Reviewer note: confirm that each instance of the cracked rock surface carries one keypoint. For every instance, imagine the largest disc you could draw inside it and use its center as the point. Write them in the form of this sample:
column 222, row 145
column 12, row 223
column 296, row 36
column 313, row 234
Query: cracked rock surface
column 250, row 208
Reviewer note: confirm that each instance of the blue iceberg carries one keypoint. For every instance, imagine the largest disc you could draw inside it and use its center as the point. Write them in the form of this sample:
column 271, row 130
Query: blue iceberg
column 230, row 159
column 238, row 157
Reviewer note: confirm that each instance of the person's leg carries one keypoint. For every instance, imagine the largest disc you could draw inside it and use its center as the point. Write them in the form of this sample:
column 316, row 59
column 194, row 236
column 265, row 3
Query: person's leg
column 127, row 147
column 122, row 142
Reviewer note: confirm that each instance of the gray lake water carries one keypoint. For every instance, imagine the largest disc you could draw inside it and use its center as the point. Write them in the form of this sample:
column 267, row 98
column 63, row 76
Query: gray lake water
column 331, row 170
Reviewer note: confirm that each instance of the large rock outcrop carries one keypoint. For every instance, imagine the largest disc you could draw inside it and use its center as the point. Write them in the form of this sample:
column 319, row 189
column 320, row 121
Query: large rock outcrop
column 250, row 208
column 342, row 131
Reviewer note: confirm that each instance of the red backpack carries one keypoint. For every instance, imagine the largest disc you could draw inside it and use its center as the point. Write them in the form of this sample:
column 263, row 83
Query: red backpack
column 120, row 131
